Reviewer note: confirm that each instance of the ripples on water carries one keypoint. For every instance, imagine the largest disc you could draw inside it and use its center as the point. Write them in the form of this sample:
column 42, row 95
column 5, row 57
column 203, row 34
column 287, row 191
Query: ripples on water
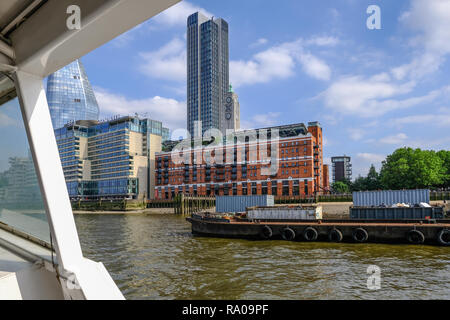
column 156, row 257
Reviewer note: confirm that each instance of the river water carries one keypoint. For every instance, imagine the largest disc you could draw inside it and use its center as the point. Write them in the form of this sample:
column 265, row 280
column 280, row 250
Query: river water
column 156, row 257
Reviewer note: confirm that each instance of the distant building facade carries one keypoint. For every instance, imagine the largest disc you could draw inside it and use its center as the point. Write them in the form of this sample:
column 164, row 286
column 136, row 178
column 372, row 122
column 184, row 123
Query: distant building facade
column 299, row 156
column 19, row 184
column 342, row 168
column 70, row 96
column 110, row 160
column 326, row 177
column 207, row 73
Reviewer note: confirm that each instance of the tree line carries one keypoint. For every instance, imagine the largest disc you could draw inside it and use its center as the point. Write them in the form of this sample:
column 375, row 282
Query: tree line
column 405, row 168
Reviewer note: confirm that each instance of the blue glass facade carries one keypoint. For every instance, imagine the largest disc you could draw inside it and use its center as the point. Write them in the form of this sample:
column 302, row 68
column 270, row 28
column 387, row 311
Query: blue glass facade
column 70, row 96
column 103, row 152
column 208, row 71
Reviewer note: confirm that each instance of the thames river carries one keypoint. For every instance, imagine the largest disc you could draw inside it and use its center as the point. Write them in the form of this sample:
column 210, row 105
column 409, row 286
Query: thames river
column 156, row 257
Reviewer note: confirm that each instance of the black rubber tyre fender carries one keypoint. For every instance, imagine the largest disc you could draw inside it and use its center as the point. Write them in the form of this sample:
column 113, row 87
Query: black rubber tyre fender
column 360, row 235
column 288, row 234
column 266, row 232
column 443, row 237
column 335, row 235
column 415, row 237
column 310, row 234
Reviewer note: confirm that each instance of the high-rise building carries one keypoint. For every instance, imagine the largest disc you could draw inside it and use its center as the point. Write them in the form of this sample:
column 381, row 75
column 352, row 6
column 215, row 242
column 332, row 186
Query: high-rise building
column 342, row 168
column 70, row 96
column 114, row 159
column 207, row 74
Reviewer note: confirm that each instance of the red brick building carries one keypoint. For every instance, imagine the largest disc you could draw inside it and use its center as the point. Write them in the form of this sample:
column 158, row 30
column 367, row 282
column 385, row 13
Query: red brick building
column 285, row 160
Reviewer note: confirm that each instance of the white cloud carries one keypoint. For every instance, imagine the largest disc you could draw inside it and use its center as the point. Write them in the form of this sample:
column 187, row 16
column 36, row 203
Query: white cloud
column 6, row 121
column 261, row 120
column 356, row 134
column 171, row 112
column 430, row 18
column 394, row 139
column 360, row 96
column 374, row 96
column 177, row 15
column 371, row 157
column 259, row 42
column 315, row 67
column 437, row 119
column 323, row 41
column 167, row 63
column 276, row 62
column 419, row 67
column 280, row 61
column 273, row 63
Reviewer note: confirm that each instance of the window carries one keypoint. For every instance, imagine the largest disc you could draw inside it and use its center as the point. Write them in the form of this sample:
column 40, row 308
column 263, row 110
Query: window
column 19, row 188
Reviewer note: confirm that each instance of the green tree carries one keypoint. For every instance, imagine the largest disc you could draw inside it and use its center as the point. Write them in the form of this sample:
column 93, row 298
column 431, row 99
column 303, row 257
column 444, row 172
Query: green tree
column 372, row 182
column 409, row 168
column 444, row 155
column 340, row 187
column 359, row 184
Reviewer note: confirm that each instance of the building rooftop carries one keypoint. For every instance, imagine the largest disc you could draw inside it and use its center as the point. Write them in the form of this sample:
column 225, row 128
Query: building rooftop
column 284, row 131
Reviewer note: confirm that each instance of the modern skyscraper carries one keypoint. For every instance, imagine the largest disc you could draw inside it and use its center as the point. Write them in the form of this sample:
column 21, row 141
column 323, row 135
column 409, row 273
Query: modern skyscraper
column 342, row 168
column 70, row 96
column 208, row 72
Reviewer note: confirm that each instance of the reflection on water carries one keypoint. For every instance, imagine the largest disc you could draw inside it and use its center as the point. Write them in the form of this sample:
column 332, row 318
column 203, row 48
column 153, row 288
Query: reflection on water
column 156, row 257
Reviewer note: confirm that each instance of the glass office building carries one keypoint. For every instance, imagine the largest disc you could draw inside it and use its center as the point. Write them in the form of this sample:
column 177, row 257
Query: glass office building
column 70, row 96
column 208, row 72
column 110, row 160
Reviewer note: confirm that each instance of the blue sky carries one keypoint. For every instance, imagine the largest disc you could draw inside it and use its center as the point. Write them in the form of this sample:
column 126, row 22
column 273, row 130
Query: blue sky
column 298, row 61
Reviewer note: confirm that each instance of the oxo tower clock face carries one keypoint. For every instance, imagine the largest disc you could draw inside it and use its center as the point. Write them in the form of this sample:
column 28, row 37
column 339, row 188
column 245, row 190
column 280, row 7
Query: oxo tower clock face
column 228, row 108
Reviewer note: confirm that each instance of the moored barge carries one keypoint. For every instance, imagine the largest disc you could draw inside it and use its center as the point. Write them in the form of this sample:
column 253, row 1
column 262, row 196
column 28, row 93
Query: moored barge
column 426, row 231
